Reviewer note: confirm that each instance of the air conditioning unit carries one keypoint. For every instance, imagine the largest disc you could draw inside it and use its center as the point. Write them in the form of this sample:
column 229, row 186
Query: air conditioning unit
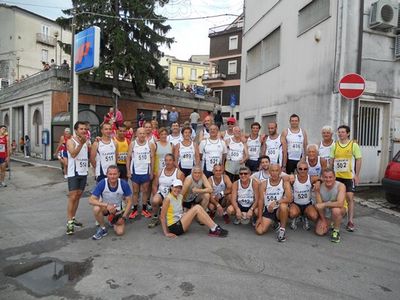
column 383, row 15
column 397, row 47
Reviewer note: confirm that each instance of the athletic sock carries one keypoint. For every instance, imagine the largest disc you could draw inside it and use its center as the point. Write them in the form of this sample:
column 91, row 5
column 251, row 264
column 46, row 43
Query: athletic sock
column 214, row 227
column 103, row 227
column 281, row 228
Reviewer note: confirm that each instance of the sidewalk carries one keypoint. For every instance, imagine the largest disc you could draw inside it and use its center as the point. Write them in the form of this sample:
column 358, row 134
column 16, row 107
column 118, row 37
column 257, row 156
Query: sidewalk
column 19, row 157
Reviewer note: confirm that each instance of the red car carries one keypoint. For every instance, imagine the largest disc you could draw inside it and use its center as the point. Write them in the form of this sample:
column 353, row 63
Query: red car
column 391, row 181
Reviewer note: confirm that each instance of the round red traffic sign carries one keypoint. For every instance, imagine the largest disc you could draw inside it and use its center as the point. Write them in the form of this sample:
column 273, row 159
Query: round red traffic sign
column 352, row 86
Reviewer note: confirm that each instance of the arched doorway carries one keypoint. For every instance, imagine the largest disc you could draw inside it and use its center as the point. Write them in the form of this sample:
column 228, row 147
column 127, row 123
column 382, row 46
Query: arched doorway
column 6, row 120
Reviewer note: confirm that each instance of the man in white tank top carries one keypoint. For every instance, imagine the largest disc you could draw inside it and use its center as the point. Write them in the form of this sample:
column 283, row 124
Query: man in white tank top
column 315, row 164
column 244, row 197
column 274, row 203
column 140, row 162
column 302, row 184
column 330, row 196
column 107, row 200
column 255, row 145
column 212, row 151
column 294, row 144
column 221, row 195
column 326, row 143
column 231, row 123
column 175, row 137
column 103, row 152
column 272, row 146
column 78, row 165
column 237, row 154
column 161, row 186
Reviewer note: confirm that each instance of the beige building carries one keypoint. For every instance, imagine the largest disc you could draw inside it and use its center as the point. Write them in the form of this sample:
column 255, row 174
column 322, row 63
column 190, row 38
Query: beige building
column 27, row 39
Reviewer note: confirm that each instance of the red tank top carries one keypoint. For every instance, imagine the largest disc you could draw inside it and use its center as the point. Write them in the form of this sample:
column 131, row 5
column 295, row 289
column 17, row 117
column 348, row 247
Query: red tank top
column 3, row 146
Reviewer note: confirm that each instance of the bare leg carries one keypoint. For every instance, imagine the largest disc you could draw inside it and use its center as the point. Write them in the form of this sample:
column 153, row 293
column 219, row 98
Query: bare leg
column 200, row 213
column 283, row 213
column 98, row 214
column 145, row 193
column 135, row 195
column 73, row 197
column 294, row 211
column 350, row 202
column 337, row 216
column 263, row 226
column 311, row 213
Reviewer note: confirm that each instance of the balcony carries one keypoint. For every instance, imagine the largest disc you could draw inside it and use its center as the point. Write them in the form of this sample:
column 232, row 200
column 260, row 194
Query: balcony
column 225, row 28
column 46, row 39
column 213, row 78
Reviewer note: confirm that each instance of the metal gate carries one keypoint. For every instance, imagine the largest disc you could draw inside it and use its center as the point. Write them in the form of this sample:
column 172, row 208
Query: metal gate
column 370, row 124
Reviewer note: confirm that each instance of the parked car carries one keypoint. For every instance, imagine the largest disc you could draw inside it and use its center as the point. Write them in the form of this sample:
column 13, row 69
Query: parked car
column 391, row 181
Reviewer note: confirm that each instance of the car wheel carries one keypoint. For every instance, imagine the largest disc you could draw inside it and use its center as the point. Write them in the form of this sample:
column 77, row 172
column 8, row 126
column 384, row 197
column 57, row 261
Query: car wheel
column 392, row 198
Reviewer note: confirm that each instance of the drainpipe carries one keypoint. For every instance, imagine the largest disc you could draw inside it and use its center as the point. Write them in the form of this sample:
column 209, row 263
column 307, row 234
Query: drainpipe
column 358, row 66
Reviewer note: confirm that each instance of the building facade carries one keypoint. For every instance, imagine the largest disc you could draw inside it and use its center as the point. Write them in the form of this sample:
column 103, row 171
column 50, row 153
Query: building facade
column 185, row 74
column 26, row 40
column 41, row 104
column 225, row 59
column 294, row 54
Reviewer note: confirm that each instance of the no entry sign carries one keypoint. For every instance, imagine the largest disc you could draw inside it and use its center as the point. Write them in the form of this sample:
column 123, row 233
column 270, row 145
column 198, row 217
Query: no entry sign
column 352, row 86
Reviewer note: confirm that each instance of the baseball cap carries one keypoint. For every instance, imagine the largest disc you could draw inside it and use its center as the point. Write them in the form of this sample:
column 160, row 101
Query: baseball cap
column 231, row 120
column 177, row 182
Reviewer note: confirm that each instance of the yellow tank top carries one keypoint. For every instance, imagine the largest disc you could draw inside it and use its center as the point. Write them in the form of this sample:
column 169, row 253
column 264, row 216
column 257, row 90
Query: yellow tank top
column 122, row 149
column 175, row 210
column 343, row 163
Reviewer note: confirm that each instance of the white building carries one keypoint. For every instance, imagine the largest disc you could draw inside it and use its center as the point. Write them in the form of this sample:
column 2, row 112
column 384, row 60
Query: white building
column 27, row 39
column 294, row 54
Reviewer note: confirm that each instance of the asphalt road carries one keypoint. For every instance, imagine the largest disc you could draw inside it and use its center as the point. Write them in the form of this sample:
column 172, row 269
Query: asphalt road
column 37, row 259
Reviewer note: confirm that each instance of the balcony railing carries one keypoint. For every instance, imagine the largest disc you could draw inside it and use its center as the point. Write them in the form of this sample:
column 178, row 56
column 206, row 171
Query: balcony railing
column 46, row 39
column 218, row 29
column 214, row 76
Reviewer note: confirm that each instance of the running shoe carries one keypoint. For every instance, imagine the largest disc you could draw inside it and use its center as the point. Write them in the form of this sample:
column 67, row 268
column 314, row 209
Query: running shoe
column 3, row 184
column 76, row 223
column 153, row 222
column 133, row 214
column 293, row 224
column 146, row 213
column 254, row 221
column 70, row 227
column 245, row 221
column 335, row 236
column 281, row 236
column 277, row 225
column 218, row 232
column 350, row 226
column 226, row 218
column 306, row 223
column 100, row 233
column 236, row 221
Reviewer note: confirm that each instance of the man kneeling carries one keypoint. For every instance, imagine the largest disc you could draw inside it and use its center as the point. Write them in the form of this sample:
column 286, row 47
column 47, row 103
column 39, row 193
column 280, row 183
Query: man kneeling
column 330, row 197
column 107, row 199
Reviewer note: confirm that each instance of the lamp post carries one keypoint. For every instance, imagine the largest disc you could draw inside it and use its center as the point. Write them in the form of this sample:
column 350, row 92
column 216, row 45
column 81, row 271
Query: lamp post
column 55, row 56
column 18, row 58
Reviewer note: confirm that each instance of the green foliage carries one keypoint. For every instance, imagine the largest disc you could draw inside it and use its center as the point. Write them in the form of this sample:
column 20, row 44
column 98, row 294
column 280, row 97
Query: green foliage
column 129, row 48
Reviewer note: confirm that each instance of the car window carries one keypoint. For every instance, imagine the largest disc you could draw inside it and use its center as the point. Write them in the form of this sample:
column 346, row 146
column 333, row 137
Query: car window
column 397, row 157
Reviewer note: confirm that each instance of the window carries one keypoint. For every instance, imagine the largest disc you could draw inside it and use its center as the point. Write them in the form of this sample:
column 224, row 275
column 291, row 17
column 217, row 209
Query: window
column 312, row 14
column 247, row 124
column 193, row 74
column 179, row 73
column 265, row 120
column 218, row 94
column 45, row 55
column 36, row 122
column 265, row 55
column 233, row 42
column 232, row 67
column 45, row 30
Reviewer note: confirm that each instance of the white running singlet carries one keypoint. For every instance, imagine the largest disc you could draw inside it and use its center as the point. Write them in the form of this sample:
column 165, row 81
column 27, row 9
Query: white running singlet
column 105, row 157
column 245, row 196
column 174, row 140
column 302, row 191
column 220, row 187
column 79, row 164
column 140, row 163
column 294, row 144
column 315, row 170
column 212, row 152
column 273, row 192
column 254, row 147
column 165, row 182
column 186, row 156
column 274, row 150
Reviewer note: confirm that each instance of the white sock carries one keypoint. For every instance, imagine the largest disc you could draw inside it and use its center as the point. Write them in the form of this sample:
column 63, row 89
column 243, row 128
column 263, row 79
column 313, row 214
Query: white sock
column 214, row 227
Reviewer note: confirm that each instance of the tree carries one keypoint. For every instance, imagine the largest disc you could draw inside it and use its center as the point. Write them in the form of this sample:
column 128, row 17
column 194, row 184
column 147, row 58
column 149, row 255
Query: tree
column 132, row 33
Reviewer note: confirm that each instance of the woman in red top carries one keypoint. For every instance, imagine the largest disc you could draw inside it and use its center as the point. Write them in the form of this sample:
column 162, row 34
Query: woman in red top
column 4, row 154
column 61, row 150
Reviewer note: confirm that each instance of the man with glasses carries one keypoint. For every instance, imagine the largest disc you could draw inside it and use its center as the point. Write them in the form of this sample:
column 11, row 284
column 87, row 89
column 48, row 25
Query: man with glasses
column 275, row 194
column 302, row 184
column 244, row 197
column 231, row 122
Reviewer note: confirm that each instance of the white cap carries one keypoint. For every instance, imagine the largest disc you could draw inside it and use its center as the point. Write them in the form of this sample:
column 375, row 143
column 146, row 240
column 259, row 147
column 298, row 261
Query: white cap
column 177, row 182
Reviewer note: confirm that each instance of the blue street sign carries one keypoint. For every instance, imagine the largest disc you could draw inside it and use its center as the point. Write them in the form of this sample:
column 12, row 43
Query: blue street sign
column 87, row 49
column 200, row 92
column 232, row 100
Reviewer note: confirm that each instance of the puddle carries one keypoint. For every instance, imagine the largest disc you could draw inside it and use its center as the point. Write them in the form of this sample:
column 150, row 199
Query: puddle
column 45, row 277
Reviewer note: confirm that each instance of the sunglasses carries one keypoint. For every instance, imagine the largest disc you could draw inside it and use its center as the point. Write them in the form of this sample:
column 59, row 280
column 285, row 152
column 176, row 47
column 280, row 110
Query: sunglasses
column 302, row 169
column 243, row 173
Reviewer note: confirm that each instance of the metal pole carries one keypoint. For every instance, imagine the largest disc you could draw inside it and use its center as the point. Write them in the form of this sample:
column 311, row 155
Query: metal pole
column 75, row 77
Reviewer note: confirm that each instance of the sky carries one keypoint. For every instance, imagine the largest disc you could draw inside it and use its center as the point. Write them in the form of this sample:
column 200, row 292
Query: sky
column 191, row 36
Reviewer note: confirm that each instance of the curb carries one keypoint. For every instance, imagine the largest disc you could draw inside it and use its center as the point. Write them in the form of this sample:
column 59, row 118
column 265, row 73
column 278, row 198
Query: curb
column 381, row 208
column 33, row 163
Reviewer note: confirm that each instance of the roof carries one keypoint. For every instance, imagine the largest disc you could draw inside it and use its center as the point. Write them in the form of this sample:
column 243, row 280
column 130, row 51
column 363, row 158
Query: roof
column 14, row 7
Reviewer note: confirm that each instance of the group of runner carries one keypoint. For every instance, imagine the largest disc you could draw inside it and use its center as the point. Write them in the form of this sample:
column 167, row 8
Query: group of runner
column 250, row 178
